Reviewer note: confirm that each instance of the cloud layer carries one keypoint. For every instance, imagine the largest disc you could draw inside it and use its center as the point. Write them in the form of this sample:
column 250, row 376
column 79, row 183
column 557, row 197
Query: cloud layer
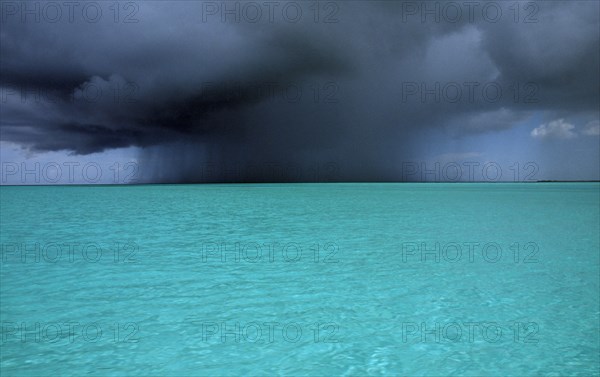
column 353, row 84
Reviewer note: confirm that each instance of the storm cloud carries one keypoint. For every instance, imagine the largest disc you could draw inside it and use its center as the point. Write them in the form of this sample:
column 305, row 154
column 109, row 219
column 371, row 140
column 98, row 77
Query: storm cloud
column 297, row 91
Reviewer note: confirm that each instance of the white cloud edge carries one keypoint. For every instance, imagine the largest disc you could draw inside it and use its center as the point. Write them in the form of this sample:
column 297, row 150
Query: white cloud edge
column 560, row 129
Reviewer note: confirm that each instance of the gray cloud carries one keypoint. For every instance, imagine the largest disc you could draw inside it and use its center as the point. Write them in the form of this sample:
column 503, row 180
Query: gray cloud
column 356, row 92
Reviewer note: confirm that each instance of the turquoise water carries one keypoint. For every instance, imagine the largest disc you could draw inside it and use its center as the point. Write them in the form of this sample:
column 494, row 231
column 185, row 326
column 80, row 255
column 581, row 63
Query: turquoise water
column 307, row 279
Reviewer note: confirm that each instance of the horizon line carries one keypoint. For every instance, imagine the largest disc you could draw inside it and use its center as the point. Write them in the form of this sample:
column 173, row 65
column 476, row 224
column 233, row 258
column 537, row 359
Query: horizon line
column 290, row 183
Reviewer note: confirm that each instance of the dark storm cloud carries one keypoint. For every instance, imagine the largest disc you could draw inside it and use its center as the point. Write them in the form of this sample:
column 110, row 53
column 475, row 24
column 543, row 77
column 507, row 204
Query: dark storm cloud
column 352, row 90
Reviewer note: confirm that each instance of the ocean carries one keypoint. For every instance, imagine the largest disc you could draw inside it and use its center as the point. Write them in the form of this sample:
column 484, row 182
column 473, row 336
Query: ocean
column 469, row 279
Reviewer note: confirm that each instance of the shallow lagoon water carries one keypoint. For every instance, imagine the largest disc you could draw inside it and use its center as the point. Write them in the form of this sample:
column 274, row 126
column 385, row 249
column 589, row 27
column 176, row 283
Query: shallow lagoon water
column 301, row 279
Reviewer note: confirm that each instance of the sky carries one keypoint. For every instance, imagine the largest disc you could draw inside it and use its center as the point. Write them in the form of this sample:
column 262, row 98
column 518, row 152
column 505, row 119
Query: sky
column 305, row 91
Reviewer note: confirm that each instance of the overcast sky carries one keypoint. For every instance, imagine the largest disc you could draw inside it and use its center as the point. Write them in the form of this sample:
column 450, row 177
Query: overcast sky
column 229, row 91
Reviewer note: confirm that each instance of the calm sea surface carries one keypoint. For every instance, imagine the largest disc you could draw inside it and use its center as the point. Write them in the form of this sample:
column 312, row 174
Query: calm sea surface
column 301, row 279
